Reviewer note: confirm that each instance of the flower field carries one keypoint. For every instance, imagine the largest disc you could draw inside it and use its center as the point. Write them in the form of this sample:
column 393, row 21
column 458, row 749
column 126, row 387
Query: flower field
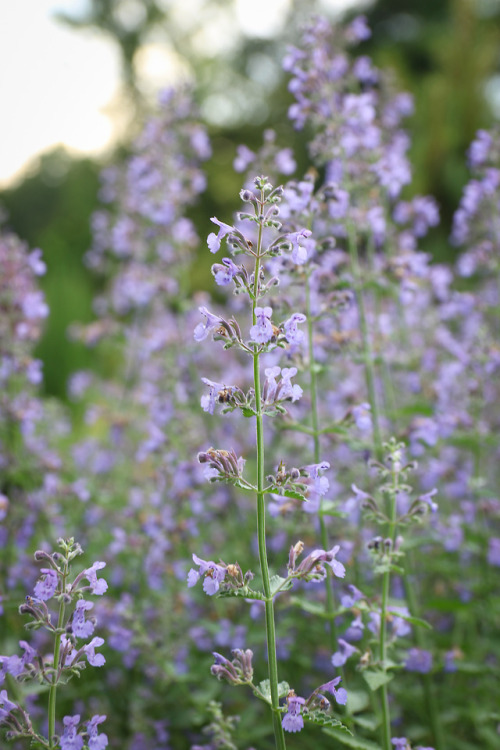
column 275, row 521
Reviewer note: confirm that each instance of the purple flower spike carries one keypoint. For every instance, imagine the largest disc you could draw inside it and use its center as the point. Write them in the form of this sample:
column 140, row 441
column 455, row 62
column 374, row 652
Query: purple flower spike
column 98, row 586
column 212, row 574
column 46, row 588
column 214, row 240
column 262, row 331
column 293, row 335
column 292, row 721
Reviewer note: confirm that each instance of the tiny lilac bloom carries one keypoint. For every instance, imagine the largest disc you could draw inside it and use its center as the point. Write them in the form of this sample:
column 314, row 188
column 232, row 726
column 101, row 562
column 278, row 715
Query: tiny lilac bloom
column 400, row 743
column 82, row 628
column 262, row 331
column 97, row 585
column 212, row 574
column 418, row 660
column 224, row 273
column 95, row 660
column 287, row 389
column 46, row 588
column 214, row 240
column 96, row 741
column 292, row 721
column 340, row 657
column 293, row 335
column 427, row 498
column 70, row 740
column 340, row 695
column 203, row 329
column 299, row 252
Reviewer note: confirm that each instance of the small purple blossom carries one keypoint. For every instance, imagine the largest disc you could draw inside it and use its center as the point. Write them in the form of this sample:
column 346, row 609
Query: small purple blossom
column 46, row 587
column 212, row 322
column 345, row 651
column 292, row 333
column 292, row 721
column 96, row 741
column 214, row 240
column 224, row 273
column 82, row 628
column 400, row 743
column 98, row 586
column 6, row 705
column 95, row 660
column 213, row 575
column 70, row 739
column 262, row 331
column 299, row 250
column 339, row 694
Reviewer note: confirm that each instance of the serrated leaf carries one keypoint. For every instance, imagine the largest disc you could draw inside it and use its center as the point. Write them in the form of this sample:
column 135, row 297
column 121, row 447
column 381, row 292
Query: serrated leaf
column 264, row 690
column 412, row 620
column 277, row 582
column 243, row 593
column 375, row 678
column 247, row 412
column 293, row 494
column 323, row 719
column 349, row 740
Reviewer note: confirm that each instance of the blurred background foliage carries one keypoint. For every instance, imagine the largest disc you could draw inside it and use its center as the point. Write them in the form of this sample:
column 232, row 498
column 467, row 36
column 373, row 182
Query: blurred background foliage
column 445, row 52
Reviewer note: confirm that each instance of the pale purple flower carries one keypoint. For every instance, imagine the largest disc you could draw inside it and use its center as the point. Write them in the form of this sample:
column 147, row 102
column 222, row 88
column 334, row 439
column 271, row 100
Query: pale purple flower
column 292, row 333
column 34, row 306
column 70, row 739
column 213, row 575
column 95, row 660
column 224, row 273
column 400, row 743
column 287, row 390
column 96, row 741
column 36, row 263
column 362, row 416
column 284, row 161
column 46, row 587
column 82, row 628
column 6, row 705
column 212, row 322
column 292, row 721
column 358, row 31
column 427, row 499
column 418, row 660
column 479, row 148
column 339, row 694
column 299, row 251
column 209, row 399
column 262, row 331
column 214, row 240
column 340, row 657
column 244, row 157
column 349, row 600
column 494, row 551
column 97, row 585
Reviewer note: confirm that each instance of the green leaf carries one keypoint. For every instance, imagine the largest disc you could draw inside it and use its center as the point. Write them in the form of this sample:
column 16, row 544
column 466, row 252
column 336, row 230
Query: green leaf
column 264, row 690
column 293, row 494
column 277, row 582
column 375, row 678
column 247, row 412
column 323, row 719
column 350, row 741
column 412, row 620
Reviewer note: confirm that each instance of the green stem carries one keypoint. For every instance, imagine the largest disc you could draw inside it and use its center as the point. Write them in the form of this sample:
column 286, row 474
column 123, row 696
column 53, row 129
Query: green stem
column 57, row 650
column 330, row 603
column 261, row 527
column 367, row 352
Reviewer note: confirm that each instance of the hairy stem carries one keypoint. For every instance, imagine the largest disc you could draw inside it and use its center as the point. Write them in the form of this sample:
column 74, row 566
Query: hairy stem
column 57, row 650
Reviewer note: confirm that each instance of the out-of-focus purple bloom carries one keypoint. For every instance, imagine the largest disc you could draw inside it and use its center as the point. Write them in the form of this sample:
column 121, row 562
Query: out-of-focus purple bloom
column 96, row 741
column 213, row 575
column 479, row 148
column 214, row 240
column 262, row 331
column 34, row 306
column 6, row 705
column 244, row 157
column 70, row 739
column 358, row 30
column 340, row 657
column 98, row 586
column 418, row 660
column 292, row 721
column 82, row 628
column 285, row 162
column 46, row 587
column 362, row 416
column 400, row 743
column 494, row 551
column 427, row 499
column 349, row 600
column 37, row 264
column 299, row 251
column 292, row 333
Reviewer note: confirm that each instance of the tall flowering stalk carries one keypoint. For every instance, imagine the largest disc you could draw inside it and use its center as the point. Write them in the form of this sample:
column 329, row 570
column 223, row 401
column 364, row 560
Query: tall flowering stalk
column 266, row 397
